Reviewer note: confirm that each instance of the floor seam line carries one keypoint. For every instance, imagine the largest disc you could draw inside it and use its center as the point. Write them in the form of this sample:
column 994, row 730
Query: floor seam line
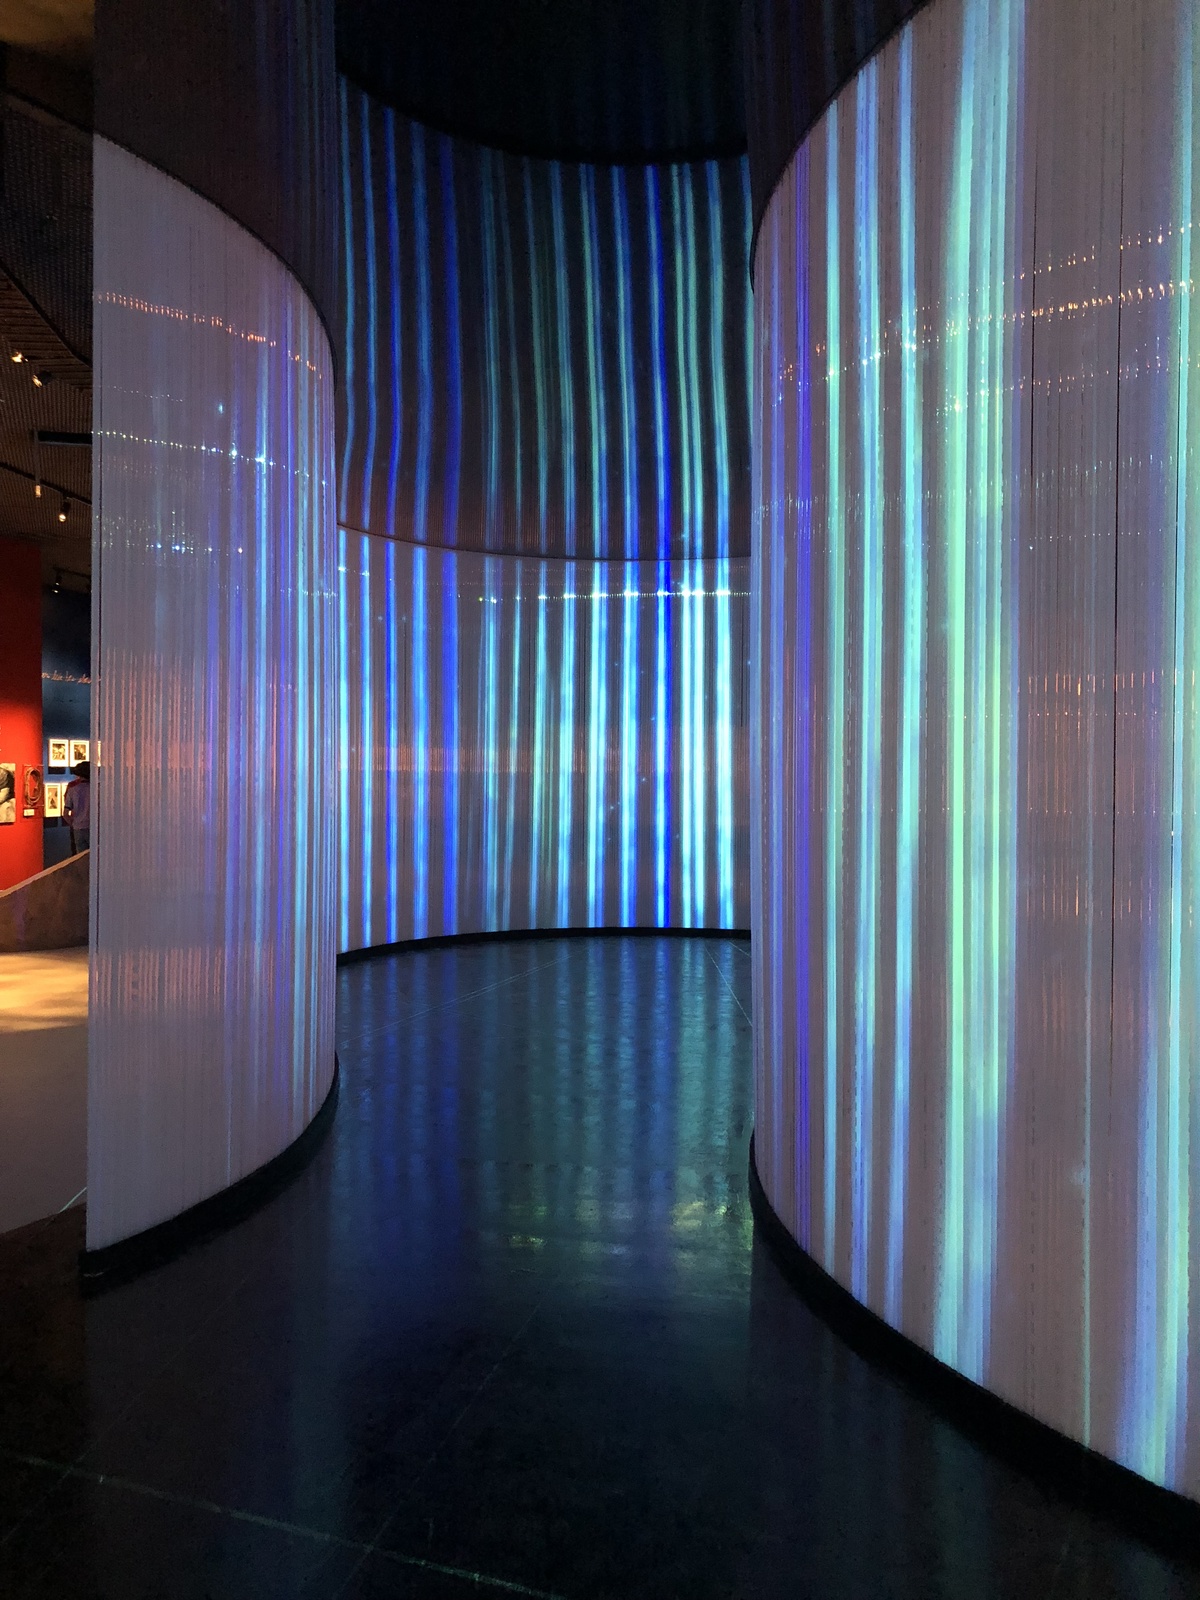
column 730, row 987
column 277, row 1524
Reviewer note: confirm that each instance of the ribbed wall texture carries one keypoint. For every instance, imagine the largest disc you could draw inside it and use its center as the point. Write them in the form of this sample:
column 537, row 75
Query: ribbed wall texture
column 214, row 639
column 977, row 570
column 542, row 358
column 540, row 744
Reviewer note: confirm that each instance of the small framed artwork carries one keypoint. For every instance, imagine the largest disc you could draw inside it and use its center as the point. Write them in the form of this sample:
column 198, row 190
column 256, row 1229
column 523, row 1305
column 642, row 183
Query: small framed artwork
column 32, row 793
column 79, row 751
column 58, row 753
column 8, row 793
column 54, row 797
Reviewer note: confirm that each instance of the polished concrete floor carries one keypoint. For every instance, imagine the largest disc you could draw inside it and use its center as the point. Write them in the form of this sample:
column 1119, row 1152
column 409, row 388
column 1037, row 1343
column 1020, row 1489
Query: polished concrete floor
column 510, row 1333
column 43, row 1083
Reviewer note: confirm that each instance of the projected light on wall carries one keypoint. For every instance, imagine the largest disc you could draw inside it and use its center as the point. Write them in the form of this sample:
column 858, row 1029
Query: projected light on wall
column 978, row 614
column 539, row 743
column 213, row 863
column 542, row 358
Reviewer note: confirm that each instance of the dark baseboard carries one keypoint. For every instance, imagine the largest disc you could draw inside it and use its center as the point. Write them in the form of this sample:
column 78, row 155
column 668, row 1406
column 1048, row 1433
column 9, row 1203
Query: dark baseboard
column 438, row 940
column 1063, row 1468
column 154, row 1247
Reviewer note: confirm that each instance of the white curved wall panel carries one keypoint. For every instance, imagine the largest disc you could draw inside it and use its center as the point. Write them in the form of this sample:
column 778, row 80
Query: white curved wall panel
column 214, row 641
column 976, row 774
column 540, row 743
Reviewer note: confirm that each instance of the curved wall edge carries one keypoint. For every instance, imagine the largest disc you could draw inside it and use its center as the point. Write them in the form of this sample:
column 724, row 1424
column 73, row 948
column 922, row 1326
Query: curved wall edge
column 214, row 723
column 976, row 762
column 114, row 1264
column 1059, row 1464
column 799, row 55
column 349, row 958
column 241, row 108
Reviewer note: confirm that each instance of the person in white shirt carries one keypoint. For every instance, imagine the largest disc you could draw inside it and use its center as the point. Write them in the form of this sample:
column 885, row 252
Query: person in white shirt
column 77, row 808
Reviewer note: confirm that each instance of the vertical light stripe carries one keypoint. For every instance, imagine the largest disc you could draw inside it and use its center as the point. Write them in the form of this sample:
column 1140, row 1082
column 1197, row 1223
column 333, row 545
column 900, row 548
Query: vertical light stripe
column 349, row 266
column 835, row 644
column 870, row 709
column 722, row 709
column 398, row 310
column 538, row 340
column 565, row 376
column 911, row 678
column 420, row 751
column 370, row 260
column 493, row 525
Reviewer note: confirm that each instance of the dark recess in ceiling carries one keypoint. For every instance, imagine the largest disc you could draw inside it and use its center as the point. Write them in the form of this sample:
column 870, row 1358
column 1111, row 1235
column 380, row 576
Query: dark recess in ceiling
column 576, row 80
column 46, row 320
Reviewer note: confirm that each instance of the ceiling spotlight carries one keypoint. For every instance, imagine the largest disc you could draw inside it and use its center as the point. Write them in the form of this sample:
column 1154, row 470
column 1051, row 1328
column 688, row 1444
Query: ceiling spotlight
column 57, row 581
column 63, row 509
column 37, row 491
column 41, row 379
column 17, row 356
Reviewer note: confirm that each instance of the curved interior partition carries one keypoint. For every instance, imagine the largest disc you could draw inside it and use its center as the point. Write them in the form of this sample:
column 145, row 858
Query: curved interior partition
column 214, row 639
column 540, row 744
column 975, row 777
column 544, row 493
column 542, row 358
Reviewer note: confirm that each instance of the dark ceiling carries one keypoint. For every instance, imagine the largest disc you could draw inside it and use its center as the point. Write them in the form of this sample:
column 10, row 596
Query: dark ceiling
column 598, row 80
column 46, row 319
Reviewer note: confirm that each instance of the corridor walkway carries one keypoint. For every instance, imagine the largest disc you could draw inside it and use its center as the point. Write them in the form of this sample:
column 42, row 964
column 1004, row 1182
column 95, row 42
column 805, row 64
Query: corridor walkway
column 43, row 1083
column 509, row 1333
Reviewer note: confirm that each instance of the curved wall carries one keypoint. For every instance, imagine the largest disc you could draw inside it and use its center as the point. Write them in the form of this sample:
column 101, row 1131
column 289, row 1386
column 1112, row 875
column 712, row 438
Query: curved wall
column 542, row 358
column 977, row 768
column 214, row 733
column 540, row 744
column 239, row 102
column 543, row 361
column 799, row 53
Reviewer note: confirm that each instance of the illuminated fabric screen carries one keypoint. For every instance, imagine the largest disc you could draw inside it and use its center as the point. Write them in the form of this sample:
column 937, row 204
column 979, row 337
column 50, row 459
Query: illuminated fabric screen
column 977, row 571
column 542, row 358
column 534, row 743
column 214, row 704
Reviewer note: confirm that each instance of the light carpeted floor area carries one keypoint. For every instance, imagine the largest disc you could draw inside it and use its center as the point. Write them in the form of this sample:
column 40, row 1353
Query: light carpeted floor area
column 43, row 1083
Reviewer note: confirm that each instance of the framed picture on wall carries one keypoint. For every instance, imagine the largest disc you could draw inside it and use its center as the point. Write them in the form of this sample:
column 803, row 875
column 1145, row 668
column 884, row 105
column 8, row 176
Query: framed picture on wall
column 8, row 792
column 79, row 751
column 59, row 749
column 54, row 797
column 32, row 791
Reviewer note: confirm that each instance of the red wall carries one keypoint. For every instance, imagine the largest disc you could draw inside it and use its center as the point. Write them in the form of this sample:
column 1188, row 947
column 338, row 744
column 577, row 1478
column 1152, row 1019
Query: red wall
column 20, row 698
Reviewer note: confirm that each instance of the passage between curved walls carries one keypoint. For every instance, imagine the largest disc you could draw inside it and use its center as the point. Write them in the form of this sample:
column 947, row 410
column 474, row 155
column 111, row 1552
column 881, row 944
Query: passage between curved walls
column 975, row 767
column 544, row 493
column 540, row 744
column 214, row 708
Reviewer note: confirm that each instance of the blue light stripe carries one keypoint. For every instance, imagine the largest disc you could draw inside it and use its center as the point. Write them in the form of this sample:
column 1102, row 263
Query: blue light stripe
column 866, row 228
column 723, row 731
column 348, row 279
column 911, row 677
column 396, row 354
column 371, row 256
column 835, row 730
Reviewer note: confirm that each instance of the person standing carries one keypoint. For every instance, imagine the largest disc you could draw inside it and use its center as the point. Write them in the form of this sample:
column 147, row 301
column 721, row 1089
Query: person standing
column 77, row 807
